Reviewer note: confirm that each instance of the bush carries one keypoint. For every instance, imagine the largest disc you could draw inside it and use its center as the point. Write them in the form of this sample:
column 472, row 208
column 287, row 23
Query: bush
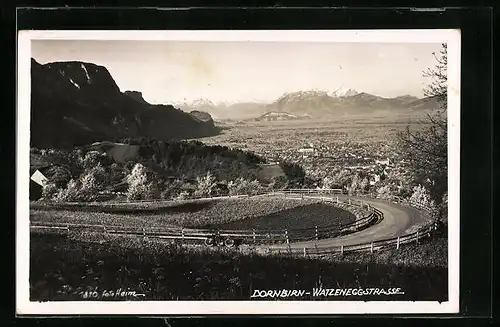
column 93, row 158
column 49, row 191
column 70, row 193
column 421, row 196
column 205, row 185
column 242, row 186
column 384, row 192
column 85, row 188
column 171, row 189
column 59, row 176
column 184, row 195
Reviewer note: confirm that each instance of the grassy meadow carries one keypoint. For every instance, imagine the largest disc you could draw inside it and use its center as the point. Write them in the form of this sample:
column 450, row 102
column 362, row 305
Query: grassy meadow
column 244, row 213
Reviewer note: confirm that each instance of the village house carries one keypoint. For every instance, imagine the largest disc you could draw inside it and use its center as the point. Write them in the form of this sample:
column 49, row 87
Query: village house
column 386, row 162
column 37, row 181
column 375, row 180
column 306, row 150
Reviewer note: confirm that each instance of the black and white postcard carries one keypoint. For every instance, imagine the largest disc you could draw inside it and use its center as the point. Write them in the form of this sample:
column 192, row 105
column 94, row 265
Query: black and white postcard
column 238, row 172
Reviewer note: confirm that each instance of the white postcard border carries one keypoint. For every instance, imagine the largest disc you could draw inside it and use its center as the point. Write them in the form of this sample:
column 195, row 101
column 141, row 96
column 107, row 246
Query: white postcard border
column 25, row 307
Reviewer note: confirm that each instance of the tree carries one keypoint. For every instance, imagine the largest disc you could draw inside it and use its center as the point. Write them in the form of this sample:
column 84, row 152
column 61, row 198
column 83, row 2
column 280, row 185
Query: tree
column 327, row 183
column 384, row 192
column 425, row 150
column 294, row 172
column 93, row 158
column 421, row 196
column 205, row 185
column 137, row 182
column 242, row 186
column 70, row 193
column 91, row 183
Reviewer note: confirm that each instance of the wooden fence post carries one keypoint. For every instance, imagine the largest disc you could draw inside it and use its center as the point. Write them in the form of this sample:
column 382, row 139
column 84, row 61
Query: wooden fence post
column 253, row 235
column 371, row 247
column 305, row 254
column 349, row 200
column 286, row 236
column 397, row 244
column 341, row 250
column 182, row 234
column 316, row 232
column 417, row 237
column 338, row 201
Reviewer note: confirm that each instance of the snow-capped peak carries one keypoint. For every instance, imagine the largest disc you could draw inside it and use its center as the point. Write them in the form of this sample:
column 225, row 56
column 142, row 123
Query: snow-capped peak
column 343, row 92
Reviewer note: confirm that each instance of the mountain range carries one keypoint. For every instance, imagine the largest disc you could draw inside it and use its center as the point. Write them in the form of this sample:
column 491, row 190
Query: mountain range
column 77, row 103
column 319, row 104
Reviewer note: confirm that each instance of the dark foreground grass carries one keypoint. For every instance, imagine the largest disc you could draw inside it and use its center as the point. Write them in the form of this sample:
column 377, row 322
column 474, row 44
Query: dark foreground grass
column 63, row 269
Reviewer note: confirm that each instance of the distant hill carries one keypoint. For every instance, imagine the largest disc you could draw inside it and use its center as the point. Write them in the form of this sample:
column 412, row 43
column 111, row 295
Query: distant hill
column 405, row 99
column 429, row 103
column 203, row 116
column 247, row 110
column 276, row 116
column 77, row 103
column 312, row 103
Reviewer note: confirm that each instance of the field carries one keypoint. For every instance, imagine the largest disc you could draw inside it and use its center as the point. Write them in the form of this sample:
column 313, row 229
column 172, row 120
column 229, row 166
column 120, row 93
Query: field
column 262, row 137
column 244, row 213
column 340, row 143
column 65, row 269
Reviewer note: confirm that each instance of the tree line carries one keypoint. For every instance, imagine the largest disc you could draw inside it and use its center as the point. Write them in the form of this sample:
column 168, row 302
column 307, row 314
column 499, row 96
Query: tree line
column 163, row 169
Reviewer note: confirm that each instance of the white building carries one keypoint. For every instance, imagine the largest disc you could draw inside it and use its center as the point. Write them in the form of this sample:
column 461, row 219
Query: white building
column 383, row 162
column 306, row 150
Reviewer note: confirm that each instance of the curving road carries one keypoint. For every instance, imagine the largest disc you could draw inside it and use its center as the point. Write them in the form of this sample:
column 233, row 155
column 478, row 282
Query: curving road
column 397, row 219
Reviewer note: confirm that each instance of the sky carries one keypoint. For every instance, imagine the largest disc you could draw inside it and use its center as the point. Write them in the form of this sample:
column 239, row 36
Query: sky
column 181, row 71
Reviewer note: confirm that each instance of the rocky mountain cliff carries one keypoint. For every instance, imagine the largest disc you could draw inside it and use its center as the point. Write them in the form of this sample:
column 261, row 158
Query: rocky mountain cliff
column 76, row 103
